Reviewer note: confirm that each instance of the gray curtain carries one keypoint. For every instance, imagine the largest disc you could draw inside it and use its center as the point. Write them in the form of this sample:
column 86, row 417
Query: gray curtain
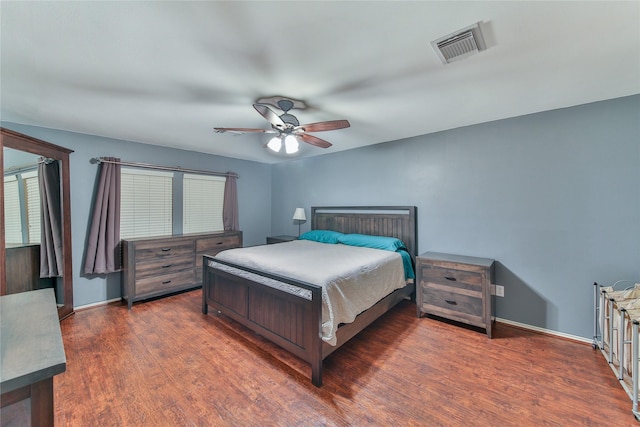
column 51, row 254
column 103, row 247
column 230, row 204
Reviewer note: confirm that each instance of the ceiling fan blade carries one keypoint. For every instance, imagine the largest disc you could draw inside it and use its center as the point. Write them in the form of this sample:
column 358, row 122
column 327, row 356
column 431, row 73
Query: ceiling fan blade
column 270, row 115
column 324, row 126
column 243, row 130
column 310, row 139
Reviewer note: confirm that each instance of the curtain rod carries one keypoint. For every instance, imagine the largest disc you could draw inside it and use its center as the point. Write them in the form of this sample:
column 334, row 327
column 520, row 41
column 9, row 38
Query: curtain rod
column 99, row 160
column 28, row 166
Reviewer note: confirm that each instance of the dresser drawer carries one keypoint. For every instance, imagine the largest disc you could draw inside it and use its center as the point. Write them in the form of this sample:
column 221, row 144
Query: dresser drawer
column 165, row 281
column 199, row 259
column 212, row 245
column 165, row 265
column 210, row 253
column 454, row 278
column 155, row 250
column 217, row 244
column 443, row 299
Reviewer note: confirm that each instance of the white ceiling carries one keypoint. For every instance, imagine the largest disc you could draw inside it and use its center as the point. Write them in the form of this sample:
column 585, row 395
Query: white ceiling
column 166, row 73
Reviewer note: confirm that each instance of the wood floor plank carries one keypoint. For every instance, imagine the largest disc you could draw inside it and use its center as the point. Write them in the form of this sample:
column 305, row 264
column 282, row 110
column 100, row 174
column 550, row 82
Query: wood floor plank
column 163, row 363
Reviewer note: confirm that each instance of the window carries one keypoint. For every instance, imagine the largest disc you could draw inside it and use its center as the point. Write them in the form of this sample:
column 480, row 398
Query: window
column 145, row 203
column 203, row 198
column 12, row 211
column 22, row 208
column 148, row 203
column 32, row 198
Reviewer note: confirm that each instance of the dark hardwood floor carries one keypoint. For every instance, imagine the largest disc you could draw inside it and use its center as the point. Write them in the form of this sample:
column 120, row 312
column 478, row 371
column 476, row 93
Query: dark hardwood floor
column 165, row 364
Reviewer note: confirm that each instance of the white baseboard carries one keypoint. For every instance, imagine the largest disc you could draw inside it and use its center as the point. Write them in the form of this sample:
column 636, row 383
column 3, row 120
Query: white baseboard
column 96, row 304
column 544, row 331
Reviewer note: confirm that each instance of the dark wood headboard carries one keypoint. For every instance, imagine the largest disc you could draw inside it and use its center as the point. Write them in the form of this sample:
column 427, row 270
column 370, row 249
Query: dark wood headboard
column 390, row 221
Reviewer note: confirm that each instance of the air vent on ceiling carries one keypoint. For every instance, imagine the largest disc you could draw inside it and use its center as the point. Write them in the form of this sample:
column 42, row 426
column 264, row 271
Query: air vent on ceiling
column 461, row 44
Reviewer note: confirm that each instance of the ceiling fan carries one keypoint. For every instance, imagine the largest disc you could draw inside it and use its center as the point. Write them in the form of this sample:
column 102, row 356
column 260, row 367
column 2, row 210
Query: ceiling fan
column 287, row 127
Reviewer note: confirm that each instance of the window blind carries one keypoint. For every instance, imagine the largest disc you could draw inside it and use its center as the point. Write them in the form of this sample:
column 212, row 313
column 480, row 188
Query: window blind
column 12, row 211
column 203, row 198
column 32, row 199
column 145, row 203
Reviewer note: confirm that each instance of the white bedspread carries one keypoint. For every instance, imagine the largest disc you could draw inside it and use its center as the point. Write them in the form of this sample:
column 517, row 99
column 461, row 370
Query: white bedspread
column 352, row 278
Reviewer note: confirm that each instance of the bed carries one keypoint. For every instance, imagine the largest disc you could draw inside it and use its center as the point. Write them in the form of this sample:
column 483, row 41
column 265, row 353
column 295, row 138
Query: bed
column 616, row 333
column 285, row 307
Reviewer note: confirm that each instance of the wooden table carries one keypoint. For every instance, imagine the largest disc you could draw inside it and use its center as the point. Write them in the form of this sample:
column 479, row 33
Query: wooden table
column 32, row 352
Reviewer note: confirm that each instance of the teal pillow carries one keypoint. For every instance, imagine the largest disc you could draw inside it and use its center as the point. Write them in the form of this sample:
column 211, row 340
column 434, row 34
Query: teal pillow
column 381, row 242
column 376, row 242
column 322, row 236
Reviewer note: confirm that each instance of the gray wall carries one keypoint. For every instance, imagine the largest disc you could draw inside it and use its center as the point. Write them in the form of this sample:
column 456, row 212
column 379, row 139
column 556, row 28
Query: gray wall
column 554, row 197
column 254, row 190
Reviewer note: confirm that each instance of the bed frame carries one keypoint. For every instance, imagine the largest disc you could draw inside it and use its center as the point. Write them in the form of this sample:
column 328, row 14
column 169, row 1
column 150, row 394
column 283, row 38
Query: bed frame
column 293, row 322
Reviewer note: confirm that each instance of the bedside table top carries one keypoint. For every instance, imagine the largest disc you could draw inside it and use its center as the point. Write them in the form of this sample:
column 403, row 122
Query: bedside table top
column 462, row 259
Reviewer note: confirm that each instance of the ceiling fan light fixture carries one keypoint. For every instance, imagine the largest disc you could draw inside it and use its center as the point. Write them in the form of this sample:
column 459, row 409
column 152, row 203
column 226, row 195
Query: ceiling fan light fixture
column 275, row 144
column 291, row 144
column 287, row 127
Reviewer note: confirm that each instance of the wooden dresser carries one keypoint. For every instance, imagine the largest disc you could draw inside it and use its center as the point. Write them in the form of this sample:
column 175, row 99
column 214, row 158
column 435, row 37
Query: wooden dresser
column 455, row 287
column 158, row 266
column 23, row 269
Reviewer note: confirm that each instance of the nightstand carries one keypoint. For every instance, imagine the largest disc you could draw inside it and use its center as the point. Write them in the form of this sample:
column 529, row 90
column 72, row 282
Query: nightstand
column 280, row 239
column 455, row 287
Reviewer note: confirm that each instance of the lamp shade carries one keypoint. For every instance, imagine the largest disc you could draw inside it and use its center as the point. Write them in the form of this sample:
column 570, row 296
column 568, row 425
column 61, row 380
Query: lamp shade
column 275, row 144
column 291, row 144
column 299, row 214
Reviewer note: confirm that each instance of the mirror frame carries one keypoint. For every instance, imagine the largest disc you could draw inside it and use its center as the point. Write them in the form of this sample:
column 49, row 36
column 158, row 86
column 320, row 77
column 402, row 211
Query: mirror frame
column 18, row 141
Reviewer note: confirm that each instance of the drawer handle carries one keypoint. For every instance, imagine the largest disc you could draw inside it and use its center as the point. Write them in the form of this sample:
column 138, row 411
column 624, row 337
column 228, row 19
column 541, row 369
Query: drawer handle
column 448, row 301
column 166, row 266
column 453, row 279
column 166, row 281
column 219, row 243
column 166, row 249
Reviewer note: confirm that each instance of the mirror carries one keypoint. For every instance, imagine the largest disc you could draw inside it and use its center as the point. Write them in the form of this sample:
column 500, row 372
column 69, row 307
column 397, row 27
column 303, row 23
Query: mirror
column 30, row 167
